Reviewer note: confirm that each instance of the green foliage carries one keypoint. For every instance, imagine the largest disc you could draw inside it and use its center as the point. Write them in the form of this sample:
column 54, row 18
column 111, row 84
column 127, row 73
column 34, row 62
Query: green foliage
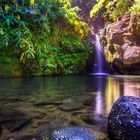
column 9, row 66
column 97, row 7
column 67, row 56
column 46, row 36
column 118, row 8
column 136, row 7
column 15, row 37
column 115, row 8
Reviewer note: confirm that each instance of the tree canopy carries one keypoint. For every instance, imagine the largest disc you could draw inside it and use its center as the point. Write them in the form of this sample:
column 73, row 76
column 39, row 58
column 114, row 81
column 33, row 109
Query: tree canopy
column 115, row 8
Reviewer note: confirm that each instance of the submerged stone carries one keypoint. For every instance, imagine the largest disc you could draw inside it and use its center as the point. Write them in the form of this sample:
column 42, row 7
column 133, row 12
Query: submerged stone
column 12, row 119
column 74, row 133
column 71, row 133
column 47, row 103
column 96, row 120
column 124, row 119
column 73, row 106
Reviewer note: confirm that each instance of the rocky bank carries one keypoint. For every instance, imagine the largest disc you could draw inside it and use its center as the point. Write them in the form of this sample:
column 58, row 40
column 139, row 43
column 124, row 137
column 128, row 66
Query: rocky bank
column 121, row 41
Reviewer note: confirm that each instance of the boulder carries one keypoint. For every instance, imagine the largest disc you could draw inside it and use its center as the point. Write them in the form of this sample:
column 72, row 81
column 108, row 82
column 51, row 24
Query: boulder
column 121, row 43
column 72, row 133
column 71, row 106
column 13, row 120
column 124, row 119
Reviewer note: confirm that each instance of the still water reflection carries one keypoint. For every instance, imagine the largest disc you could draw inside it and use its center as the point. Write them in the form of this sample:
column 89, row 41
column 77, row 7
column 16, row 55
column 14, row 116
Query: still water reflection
column 101, row 91
column 121, row 86
column 104, row 89
column 109, row 89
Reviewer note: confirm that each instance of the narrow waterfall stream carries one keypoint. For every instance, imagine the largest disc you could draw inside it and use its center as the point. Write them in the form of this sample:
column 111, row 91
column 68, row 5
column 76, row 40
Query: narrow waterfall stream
column 99, row 66
column 99, row 55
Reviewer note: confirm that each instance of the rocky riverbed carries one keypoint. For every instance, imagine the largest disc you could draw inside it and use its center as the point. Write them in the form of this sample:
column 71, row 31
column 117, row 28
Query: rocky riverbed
column 40, row 119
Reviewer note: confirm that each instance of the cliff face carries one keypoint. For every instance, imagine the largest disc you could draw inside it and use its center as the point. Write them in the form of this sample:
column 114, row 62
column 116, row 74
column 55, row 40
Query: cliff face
column 121, row 41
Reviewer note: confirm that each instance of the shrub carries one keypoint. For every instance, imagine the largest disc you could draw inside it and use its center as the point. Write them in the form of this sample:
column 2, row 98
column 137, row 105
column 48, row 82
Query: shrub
column 47, row 36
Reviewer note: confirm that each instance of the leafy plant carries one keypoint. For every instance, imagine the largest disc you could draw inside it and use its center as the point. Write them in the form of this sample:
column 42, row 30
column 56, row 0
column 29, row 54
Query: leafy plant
column 113, row 8
column 46, row 36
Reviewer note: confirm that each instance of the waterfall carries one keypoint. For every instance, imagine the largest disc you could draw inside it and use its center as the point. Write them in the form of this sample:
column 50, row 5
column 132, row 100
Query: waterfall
column 98, row 67
column 99, row 55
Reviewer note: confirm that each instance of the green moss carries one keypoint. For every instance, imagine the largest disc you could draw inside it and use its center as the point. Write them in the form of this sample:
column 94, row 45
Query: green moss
column 10, row 67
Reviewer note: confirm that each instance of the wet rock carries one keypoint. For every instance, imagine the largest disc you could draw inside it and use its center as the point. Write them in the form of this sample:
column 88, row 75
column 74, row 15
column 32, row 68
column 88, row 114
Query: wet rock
column 14, row 125
column 53, row 123
column 67, row 100
column 79, row 112
column 28, row 137
column 121, row 43
column 12, row 99
column 76, row 133
column 71, row 133
column 89, row 101
column 44, row 103
column 35, row 124
column 93, row 119
column 77, row 122
column 124, row 119
column 33, row 114
column 38, row 115
column 71, row 106
column 12, row 119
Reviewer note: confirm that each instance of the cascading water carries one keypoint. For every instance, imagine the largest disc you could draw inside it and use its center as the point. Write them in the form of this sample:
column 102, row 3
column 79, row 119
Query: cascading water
column 99, row 55
column 98, row 67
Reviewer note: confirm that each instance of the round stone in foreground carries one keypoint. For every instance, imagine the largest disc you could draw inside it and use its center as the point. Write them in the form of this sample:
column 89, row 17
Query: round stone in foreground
column 124, row 119
column 73, row 133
